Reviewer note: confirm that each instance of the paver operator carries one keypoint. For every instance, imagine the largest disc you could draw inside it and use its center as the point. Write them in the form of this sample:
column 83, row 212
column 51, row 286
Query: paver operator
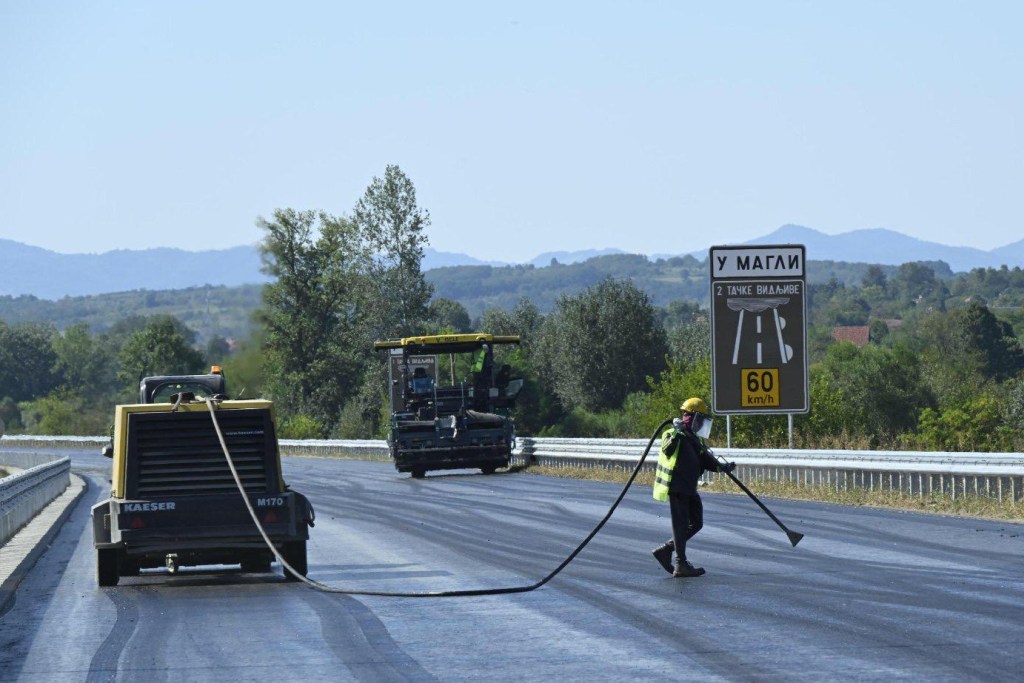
column 681, row 461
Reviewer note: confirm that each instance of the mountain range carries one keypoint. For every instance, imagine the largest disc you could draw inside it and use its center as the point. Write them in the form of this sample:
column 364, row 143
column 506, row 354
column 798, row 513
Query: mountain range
column 47, row 274
column 444, row 259
column 890, row 248
column 28, row 270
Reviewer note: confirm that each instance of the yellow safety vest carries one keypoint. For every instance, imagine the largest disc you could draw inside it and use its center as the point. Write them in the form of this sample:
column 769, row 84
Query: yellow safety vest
column 666, row 463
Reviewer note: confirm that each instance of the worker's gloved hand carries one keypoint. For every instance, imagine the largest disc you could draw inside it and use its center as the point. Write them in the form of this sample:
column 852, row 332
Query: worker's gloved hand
column 677, row 424
column 727, row 467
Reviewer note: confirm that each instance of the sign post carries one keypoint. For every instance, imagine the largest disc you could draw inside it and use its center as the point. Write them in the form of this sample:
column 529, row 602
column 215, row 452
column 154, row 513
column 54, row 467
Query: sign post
column 759, row 330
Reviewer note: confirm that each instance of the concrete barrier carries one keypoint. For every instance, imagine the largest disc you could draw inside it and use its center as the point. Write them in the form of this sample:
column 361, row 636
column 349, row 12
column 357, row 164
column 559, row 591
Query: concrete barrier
column 23, row 494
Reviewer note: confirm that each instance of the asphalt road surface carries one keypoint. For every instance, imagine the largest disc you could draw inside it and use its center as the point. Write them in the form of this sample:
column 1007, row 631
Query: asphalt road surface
column 868, row 594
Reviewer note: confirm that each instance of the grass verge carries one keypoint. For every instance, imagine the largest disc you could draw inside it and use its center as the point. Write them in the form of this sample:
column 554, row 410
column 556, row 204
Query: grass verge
column 986, row 508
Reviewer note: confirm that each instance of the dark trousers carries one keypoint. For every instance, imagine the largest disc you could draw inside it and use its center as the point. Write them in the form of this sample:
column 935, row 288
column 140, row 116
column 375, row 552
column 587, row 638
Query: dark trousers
column 687, row 519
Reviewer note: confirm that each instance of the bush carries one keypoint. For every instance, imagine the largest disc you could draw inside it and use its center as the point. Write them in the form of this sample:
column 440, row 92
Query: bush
column 354, row 424
column 755, row 431
column 64, row 413
column 975, row 426
column 873, row 392
column 592, row 425
column 300, row 427
column 674, row 385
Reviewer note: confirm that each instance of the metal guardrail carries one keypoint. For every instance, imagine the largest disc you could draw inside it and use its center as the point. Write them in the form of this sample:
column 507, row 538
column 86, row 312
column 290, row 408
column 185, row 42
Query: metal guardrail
column 629, row 450
column 919, row 473
column 23, row 494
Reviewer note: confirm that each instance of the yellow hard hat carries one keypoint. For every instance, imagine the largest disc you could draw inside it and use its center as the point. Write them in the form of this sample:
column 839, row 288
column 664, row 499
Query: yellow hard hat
column 695, row 405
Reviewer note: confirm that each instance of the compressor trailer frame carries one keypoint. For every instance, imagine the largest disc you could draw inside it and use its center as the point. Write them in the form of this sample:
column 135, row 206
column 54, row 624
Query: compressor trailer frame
column 174, row 503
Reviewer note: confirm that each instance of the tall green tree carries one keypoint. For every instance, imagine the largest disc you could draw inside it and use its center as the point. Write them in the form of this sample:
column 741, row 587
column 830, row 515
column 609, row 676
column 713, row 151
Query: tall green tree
column 916, row 284
column 688, row 329
column 245, row 369
column 1013, row 406
column 602, row 344
column 875, row 277
column 537, row 406
column 160, row 348
column 950, row 368
column 389, row 218
column 446, row 315
column 1000, row 353
column 962, row 351
column 27, row 360
column 389, row 222
column 691, row 342
column 525, row 320
column 85, row 365
column 313, row 310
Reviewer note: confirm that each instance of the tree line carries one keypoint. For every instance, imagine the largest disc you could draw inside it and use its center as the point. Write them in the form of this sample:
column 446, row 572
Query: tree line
column 942, row 371
column 221, row 311
column 680, row 278
column 211, row 310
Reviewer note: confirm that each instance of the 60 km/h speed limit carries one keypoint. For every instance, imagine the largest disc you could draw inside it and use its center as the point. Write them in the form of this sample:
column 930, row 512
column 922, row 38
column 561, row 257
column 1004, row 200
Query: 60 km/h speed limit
column 758, row 329
column 760, row 388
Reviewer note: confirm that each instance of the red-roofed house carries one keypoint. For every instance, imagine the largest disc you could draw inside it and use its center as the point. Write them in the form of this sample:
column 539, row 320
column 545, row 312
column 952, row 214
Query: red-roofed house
column 857, row 334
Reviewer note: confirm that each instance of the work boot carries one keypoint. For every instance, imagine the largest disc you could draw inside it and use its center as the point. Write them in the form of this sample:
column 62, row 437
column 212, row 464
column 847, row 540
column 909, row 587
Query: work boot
column 685, row 569
column 663, row 554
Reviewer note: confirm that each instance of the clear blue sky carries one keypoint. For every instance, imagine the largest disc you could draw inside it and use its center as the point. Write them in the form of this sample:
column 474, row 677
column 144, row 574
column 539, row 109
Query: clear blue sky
column 526, row 127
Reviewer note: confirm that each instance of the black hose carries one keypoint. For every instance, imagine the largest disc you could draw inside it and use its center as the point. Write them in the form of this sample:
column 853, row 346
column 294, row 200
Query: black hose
column 433, row 594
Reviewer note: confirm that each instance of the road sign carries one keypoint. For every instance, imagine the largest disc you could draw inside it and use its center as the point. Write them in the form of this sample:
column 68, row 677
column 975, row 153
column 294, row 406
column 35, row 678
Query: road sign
column 759, row 329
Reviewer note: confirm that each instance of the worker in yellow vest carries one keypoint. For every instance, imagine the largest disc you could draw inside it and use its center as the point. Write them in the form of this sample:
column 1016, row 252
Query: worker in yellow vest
column 681, row 461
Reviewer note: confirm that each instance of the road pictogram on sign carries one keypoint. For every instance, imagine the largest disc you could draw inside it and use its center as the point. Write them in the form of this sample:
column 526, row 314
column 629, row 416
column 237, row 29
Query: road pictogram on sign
column 759, row 329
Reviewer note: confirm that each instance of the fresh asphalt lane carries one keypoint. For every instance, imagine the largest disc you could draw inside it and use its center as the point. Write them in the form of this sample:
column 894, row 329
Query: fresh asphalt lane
column 868, row 594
